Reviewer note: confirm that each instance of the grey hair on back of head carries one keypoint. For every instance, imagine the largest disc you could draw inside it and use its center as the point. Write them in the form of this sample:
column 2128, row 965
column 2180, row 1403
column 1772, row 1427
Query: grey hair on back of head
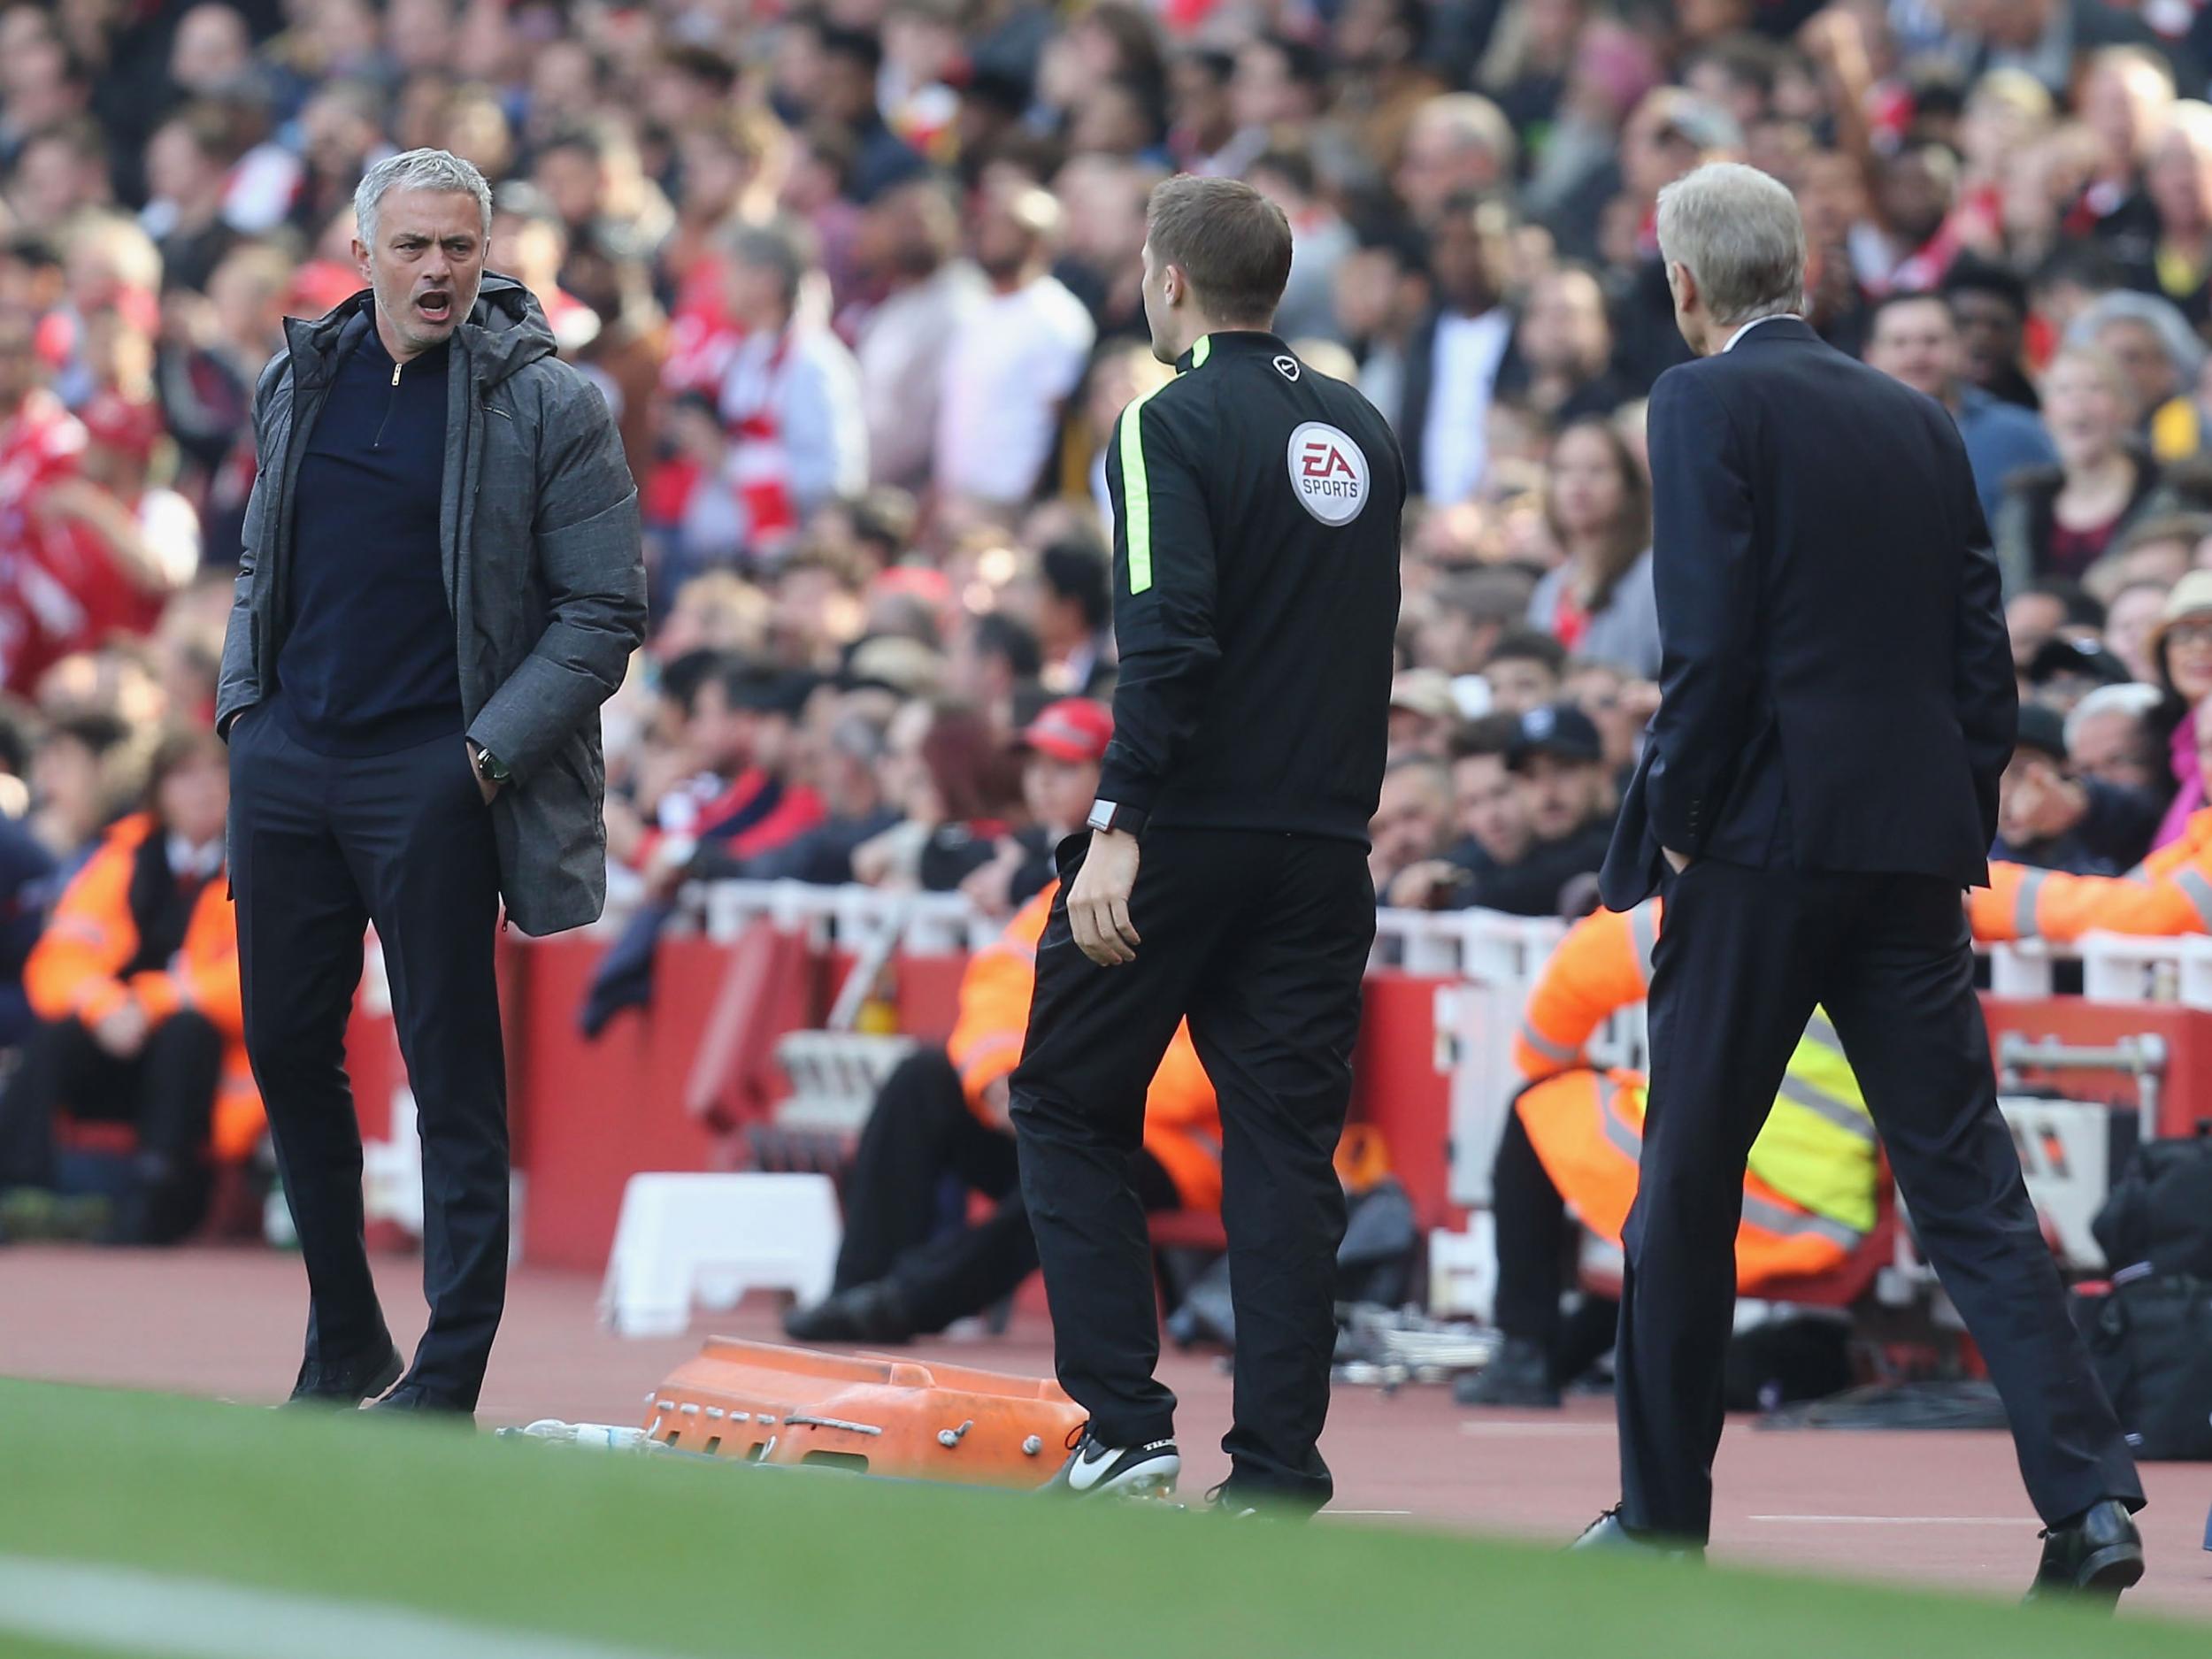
column 1740, row 233
column 417, row 170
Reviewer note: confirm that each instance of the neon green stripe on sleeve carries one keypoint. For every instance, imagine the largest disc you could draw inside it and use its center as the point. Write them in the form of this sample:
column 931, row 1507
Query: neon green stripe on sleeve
column 1136, row 495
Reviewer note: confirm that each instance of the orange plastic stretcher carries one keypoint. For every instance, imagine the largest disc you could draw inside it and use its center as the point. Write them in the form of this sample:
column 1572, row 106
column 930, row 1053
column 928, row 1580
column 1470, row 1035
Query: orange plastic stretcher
column 868, row 1413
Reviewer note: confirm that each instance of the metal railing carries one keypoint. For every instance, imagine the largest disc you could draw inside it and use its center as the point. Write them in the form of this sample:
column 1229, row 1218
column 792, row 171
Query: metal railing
column 1482, row 947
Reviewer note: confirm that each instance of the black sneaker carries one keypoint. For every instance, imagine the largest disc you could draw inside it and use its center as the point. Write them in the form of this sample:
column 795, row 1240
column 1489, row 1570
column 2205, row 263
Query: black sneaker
column 1094, row 1469
column 1224, row 1504
column 344, row 1386
column 1518, row 1374
column 866, row 1313
column 413, row 1400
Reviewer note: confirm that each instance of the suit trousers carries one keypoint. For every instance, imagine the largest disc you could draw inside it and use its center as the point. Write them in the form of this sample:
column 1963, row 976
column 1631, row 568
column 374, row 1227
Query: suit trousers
column 1745, row 956
column 1261, row 939
column 320, row 847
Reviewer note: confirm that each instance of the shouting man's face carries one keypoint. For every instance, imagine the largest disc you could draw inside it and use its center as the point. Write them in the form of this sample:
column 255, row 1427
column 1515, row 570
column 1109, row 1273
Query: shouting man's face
column 425, row 267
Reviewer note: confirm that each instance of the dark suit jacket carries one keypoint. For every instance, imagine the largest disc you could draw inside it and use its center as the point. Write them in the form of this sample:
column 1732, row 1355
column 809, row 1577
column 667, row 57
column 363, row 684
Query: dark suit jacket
column 1837, row 684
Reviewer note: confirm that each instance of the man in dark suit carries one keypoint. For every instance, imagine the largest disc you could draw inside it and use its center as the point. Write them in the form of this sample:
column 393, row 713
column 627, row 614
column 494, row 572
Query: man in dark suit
column 1816, row 790
column 1459, row 352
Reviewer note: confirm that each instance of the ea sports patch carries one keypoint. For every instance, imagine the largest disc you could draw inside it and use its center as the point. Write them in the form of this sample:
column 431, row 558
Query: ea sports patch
column 1329, row 473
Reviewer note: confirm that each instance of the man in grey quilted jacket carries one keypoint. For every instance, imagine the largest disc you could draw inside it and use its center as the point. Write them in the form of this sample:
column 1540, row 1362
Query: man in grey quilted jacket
column 441, row 583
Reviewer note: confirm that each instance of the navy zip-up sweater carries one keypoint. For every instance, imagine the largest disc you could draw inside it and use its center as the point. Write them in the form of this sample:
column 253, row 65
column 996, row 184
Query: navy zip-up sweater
column 368, row 663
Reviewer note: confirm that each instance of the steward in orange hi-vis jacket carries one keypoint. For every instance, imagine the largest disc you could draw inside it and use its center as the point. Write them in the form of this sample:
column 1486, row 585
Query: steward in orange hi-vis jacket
column 2170, row 893
column 1575, row 1136
column 900, row 1272
column 135, row 986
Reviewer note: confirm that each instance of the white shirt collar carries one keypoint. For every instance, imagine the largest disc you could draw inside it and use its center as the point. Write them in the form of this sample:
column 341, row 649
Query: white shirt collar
column 1735, row 338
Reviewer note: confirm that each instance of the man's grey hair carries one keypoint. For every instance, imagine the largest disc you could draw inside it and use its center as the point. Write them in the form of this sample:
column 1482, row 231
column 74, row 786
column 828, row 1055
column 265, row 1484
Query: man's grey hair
column 2162, row 317
column 1740, row 233
column 417, row 170
column 2134, row 701
column 779, row 247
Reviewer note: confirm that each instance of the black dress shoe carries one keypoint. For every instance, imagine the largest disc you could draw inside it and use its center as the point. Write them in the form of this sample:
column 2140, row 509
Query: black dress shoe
column 413, row 1399
column 1607, row 1535
column 2097, row 1554
column 866, row 1313
column 345, row 1385
column 1518, row 1374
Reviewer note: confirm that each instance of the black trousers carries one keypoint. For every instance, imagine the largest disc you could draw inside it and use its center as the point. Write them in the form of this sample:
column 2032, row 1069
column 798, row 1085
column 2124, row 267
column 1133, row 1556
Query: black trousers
column 1537, row 1241
column 166, row 1092
column 1261, row 939
column 1745, row 956
column 320, row 847
column 921, row 1132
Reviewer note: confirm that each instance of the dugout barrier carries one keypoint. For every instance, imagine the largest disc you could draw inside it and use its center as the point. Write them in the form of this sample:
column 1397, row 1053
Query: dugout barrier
column 748, row 963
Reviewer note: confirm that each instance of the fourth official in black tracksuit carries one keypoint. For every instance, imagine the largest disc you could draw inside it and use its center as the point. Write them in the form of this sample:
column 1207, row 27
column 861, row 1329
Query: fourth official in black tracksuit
column 1257, row 509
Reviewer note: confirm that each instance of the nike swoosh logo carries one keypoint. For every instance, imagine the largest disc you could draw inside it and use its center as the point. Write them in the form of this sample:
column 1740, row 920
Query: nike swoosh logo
column 1085, row 1475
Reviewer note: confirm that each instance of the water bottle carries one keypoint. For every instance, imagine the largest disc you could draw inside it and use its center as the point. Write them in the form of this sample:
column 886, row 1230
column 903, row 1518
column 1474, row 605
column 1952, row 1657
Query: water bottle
column 276, row 1218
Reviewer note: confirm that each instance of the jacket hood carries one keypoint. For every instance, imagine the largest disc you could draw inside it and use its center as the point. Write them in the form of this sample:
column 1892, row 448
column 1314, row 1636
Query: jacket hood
column 505, row 329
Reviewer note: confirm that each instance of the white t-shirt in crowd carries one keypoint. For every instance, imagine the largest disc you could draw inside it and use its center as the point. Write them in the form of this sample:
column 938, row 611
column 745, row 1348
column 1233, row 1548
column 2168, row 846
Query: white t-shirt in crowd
column 902, row 350
column 1011, row 363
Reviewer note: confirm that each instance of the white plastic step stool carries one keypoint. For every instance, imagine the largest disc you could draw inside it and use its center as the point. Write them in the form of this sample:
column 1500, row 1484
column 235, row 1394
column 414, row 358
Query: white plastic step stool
column 712, row 1238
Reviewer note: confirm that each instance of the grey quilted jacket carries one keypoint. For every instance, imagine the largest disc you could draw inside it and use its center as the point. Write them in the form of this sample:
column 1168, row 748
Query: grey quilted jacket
column 543, row 569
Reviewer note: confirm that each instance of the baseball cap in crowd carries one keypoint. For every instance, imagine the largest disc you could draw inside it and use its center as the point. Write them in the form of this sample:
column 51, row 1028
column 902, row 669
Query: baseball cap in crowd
column 1426, row 692
column 320, row 287
column 2059, row 657
column 2042, row 732
column 1558, row 729
column 1074, row 729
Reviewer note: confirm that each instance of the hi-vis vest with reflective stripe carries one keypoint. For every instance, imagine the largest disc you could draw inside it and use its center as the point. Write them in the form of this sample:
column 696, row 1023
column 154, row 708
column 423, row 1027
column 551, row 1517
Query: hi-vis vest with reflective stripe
column 2169, row 893
column 1818, row 1149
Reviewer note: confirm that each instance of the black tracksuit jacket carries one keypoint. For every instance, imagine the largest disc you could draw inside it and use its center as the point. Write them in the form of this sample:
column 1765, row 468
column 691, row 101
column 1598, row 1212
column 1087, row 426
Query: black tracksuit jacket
column 1256, row 596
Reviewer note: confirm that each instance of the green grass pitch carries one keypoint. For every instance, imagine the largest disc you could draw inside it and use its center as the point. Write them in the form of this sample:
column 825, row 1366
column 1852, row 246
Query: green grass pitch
column 661, row 1555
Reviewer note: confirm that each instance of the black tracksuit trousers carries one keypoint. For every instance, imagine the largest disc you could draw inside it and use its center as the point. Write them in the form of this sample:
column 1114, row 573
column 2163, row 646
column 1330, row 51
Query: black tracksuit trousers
column 1261, row 939
column 922, row 1132
column 166, row 1092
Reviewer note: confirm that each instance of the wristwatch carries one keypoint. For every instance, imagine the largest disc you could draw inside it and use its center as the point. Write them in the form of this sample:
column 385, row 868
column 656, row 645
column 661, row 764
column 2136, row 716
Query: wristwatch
column 490, row 767
column 1111, row 815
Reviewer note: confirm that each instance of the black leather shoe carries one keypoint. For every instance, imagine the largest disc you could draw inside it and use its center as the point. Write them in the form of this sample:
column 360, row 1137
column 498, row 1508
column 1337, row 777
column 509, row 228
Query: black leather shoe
column 413, row 1399
column 2096, row 1555
column 1607, row 1536
column 866, row 1313
column 344, row 1386
column 1518, row 1374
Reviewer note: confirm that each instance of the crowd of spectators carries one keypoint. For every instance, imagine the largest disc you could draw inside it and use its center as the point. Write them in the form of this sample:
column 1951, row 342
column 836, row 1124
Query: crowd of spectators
column 860, row 282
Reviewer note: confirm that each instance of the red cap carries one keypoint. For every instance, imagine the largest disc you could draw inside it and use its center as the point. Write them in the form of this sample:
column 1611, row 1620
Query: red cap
column 1072, row 729
column 116, row 423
